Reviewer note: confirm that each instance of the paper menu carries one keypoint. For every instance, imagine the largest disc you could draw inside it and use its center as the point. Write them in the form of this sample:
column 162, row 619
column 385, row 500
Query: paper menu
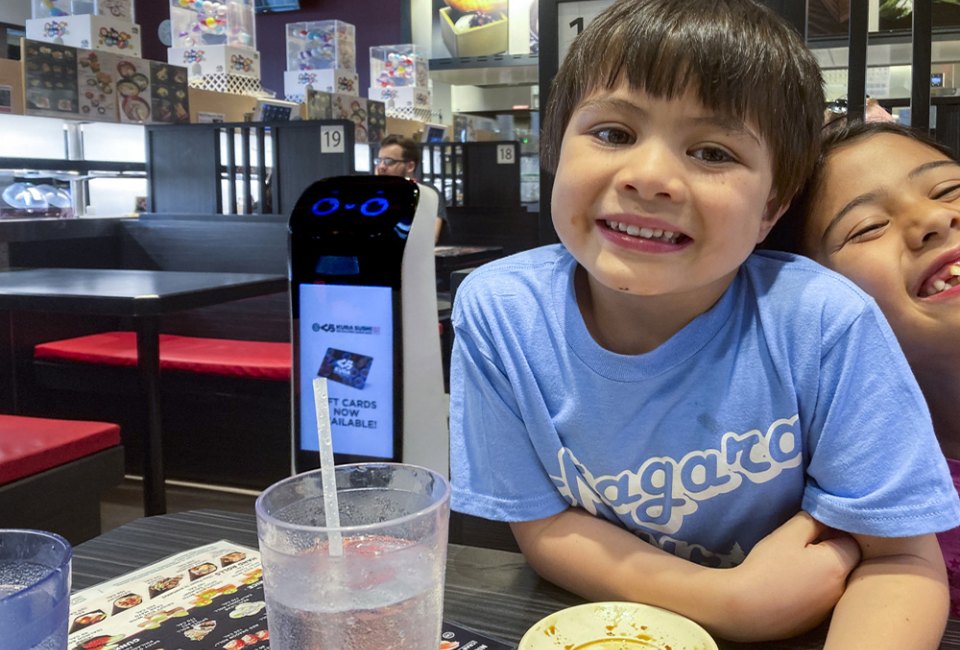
column 208, row 597
column 213, row 588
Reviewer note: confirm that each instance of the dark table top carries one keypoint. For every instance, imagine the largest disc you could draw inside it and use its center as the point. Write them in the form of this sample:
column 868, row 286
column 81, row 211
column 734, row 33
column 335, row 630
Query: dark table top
column 123, row 292
column 494, row 592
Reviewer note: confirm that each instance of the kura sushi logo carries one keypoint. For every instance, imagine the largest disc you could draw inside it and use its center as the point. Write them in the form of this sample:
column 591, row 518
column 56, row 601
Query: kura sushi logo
column 194, row 56
column 55, row 29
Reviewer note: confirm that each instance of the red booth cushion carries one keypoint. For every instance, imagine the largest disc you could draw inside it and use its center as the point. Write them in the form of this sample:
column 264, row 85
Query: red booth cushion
column 248, row 359
column 30, row 445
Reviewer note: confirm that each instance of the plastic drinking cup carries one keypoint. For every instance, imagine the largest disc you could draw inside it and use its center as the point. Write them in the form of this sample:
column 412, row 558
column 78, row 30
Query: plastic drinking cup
column 34, row 589
column 384, row 589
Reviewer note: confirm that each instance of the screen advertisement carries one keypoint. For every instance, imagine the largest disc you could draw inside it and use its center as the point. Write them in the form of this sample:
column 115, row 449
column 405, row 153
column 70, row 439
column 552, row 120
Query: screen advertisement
column 346, row 335
column 347, row 238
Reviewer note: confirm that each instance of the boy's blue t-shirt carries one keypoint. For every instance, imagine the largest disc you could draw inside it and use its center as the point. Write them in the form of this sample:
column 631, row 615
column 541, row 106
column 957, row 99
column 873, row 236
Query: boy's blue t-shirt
column 790, row 393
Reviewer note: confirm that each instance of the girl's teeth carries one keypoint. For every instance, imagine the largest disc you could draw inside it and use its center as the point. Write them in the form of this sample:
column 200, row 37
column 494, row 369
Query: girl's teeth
column 942, row 285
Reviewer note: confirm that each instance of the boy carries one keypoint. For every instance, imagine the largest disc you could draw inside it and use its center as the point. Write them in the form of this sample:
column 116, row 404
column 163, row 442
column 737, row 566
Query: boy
column 649, row 404
column 400, row 156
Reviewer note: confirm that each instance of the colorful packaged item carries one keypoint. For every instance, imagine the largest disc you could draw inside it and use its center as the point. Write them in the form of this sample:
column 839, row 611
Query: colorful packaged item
column 200, row 23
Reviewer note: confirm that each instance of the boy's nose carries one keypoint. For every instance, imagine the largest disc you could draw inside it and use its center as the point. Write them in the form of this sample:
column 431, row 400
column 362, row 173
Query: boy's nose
column 652, row 170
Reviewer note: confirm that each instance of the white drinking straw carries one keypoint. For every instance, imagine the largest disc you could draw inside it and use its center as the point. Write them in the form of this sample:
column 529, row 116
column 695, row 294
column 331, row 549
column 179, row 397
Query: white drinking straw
column 331, row 507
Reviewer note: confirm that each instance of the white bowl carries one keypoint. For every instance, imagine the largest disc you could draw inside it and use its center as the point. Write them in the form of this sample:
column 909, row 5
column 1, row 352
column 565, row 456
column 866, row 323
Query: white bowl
column 616, row 626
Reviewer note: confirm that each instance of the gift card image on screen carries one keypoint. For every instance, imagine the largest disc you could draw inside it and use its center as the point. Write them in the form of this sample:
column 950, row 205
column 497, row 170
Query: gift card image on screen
column 345, row 367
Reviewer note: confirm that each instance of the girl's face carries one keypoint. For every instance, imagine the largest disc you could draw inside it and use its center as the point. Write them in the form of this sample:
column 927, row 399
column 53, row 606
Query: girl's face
column 888, row 217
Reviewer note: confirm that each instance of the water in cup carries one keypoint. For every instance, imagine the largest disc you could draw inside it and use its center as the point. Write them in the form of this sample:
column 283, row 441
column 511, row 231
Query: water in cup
column 391, row 606
column 385, row 589
column 34, row 589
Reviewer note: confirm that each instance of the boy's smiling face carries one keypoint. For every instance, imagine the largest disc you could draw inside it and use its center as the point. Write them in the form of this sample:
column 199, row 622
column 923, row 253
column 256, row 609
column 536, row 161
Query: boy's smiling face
column 658, row 197
column 887, row 215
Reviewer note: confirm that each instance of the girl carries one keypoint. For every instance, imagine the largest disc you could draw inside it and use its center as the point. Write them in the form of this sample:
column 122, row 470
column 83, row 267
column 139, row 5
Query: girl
column 883, row 208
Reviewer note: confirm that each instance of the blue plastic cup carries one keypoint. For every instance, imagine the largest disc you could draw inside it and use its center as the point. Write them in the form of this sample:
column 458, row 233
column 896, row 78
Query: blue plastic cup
column 34, row 589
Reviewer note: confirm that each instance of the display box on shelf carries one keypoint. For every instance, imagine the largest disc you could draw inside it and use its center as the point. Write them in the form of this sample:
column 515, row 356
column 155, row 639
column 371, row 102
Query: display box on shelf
column 202, row 23
column 121, row 9
column 104, row 33
column 295, row 82
column 219, row 67
column 398, row 65
column 400, row 97
column 466, row 35
column 368, row 116
column 321, row 45
column 213, row 59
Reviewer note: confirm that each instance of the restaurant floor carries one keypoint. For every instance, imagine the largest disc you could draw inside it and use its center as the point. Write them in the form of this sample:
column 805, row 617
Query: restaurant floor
column 124, row 503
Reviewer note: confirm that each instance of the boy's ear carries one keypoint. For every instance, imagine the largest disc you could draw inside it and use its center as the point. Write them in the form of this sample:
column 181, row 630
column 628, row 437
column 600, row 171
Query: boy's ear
column 772, row 214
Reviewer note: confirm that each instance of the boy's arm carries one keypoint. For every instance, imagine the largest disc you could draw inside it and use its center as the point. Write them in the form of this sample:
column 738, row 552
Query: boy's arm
column 896, row 598
column 788, row 583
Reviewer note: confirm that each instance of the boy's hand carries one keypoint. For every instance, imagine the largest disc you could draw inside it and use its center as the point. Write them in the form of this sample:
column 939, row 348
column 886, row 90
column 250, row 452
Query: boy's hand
column 791, row 579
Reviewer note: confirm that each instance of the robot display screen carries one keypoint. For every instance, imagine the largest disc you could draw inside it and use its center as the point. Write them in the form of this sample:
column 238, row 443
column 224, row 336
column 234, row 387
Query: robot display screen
column 346, row 335
column 346, row 248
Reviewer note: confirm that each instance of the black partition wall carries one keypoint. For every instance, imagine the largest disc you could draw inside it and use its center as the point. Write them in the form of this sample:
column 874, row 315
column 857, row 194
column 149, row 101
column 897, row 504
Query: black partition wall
column 242, row 168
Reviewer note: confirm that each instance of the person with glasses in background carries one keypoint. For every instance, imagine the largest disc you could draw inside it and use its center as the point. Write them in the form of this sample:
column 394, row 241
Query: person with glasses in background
column 399, row 156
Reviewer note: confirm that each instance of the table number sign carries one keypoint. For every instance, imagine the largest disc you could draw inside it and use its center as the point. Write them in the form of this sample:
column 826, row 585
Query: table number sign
column 572, row 18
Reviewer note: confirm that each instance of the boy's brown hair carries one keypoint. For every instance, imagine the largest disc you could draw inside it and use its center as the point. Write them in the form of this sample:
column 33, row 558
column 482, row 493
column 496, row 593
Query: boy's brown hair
column 741, row 60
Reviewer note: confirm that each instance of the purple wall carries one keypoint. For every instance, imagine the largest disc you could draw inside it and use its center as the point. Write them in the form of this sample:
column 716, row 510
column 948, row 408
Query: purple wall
column 377, row 22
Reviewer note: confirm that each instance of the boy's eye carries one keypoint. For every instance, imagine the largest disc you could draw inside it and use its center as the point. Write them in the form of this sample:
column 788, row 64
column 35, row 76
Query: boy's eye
column 612, row 135
column 712, row 155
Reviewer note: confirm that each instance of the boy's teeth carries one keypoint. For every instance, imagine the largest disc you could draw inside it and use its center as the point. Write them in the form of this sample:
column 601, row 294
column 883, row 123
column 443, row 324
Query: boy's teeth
column 646, row 233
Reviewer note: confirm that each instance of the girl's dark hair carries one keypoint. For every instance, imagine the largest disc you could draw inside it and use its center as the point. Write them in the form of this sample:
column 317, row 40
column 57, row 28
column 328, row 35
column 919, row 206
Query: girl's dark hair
column 742, row 60
column 789, row 233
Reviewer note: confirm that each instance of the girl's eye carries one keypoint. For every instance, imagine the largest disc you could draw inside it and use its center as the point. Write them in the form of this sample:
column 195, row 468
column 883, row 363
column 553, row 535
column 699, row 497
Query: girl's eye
column 712, row 155
column 867, row 232
column 949, row 193
column 612, row 135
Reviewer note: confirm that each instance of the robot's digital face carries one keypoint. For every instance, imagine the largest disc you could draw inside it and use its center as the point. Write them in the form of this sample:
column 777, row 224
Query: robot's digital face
column 371, row 206
column 352, row 229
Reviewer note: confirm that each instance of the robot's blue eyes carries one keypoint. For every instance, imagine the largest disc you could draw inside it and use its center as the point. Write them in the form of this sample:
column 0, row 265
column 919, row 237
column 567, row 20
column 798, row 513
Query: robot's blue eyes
column 373, row 207
column 323, row 207
column 369, row 208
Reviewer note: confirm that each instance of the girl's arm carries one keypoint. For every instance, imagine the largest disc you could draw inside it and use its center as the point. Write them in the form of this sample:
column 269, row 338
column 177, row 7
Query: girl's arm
column 896, row 598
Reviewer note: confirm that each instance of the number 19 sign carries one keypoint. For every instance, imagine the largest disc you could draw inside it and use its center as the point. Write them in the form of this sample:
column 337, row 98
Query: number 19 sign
column 331, row 139
column 572, row 18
